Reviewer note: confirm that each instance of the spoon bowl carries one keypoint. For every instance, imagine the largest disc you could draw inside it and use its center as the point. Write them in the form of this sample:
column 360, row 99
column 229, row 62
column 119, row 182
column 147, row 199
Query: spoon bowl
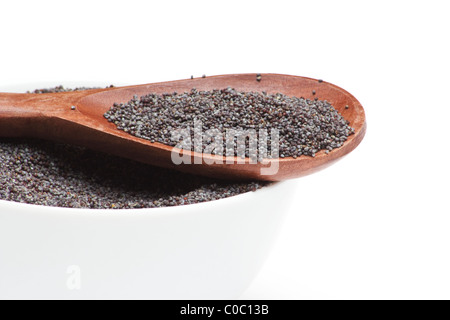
column 78, row 118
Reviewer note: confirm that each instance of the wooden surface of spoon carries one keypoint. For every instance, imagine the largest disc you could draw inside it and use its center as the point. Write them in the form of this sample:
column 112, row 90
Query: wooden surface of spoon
column 77, row 118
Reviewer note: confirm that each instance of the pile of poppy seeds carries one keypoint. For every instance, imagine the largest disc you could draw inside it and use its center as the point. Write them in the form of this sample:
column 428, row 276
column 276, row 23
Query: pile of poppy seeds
column 305, row 126
column 63, row 89
column 59, row 175
column 53, row 174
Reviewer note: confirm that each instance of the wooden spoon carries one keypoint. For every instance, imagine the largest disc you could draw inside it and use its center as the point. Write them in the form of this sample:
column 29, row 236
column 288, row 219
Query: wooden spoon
column 77, row 118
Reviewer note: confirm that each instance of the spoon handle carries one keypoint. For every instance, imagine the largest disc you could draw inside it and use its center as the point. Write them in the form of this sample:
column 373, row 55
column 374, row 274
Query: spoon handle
column 16, row 105
column 17, row 117
column 25, row 114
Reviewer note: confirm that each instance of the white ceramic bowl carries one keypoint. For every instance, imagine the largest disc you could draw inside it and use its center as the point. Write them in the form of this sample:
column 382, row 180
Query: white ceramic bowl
column 210, row 250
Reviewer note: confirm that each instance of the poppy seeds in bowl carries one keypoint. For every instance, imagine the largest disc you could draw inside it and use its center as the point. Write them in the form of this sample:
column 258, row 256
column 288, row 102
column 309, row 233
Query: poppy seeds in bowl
column 60, row 175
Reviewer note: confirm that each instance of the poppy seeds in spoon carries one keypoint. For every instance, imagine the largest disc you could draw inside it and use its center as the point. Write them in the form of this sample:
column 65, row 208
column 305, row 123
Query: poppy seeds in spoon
column 305, row 126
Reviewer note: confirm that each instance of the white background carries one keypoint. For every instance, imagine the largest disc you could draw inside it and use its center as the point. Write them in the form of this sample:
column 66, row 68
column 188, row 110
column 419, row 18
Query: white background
column 376, row 224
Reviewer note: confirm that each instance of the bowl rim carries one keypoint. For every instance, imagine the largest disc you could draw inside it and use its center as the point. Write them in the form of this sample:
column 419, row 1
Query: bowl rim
column 143, row 211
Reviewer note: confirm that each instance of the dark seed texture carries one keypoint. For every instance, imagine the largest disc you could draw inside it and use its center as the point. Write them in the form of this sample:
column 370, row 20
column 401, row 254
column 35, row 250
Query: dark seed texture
column 52, row 174
column 305, row 126
column 62, row 89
